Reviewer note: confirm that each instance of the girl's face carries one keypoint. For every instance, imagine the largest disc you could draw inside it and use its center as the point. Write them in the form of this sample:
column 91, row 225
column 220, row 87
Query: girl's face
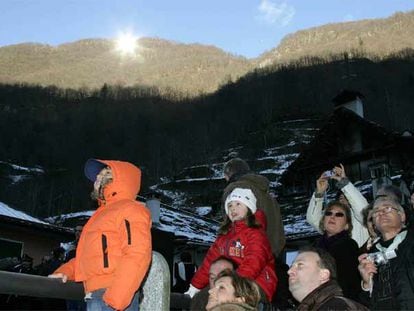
column 222, row 292
column 335, row 221
column 237, row 211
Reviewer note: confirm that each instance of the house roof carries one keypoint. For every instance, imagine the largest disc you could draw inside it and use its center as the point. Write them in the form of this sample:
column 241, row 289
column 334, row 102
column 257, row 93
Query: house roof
column 346, row 96
column 187, row 227
column 326, row 149
column 13, row 216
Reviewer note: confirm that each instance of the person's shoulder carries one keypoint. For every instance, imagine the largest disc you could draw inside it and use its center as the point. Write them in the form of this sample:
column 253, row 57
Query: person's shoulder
column 347, row 243
column 255, row 232
column 199, row 301
column 341, row 303
column 351, row 242
column 256, row 180
column 134, row 209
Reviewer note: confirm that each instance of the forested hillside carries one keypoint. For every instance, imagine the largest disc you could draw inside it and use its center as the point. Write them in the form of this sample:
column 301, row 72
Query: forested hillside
column 173, row 68
column 376, row 38
column 59, row 129
column 187, row 70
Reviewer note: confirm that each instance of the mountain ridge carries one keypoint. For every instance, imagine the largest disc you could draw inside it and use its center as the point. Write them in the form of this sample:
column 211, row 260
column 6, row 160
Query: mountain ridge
column 193, row 69
column 379, row 37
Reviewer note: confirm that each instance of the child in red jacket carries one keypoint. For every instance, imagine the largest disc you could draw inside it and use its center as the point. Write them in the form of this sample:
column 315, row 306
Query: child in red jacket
column 242, row 240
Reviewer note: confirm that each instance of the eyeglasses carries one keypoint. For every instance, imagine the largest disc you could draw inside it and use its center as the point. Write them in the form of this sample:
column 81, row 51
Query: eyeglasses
column 337, row 214
column 383, row 211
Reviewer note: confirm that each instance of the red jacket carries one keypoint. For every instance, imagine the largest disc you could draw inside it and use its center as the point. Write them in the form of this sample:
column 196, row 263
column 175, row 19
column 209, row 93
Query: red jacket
column 114, row 249
column 250, row 250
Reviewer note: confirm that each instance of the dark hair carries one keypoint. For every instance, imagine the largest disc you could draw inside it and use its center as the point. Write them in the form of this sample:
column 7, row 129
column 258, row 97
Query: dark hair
column 338, row 195
column 250, row 221
column 365, row 213
column 243, row 287
column 223, row 258
column 326, row 261
column 390, row 199
column 347, row 212
column 236, row 167
column 391, row 191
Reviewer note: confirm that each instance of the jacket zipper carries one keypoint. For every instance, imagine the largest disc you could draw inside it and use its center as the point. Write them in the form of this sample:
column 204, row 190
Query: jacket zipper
column 227, row 248
column 128, row 229
column 105, row 251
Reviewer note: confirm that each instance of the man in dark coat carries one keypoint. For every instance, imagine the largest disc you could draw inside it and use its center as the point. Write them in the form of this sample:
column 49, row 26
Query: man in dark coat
column 199, row 301
column 312, row 282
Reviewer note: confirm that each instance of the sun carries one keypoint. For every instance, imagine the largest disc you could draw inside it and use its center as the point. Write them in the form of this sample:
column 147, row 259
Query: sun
column 126, row 44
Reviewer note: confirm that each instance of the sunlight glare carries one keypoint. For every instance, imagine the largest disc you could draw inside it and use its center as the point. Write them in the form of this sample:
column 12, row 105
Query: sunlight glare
column 126, row 44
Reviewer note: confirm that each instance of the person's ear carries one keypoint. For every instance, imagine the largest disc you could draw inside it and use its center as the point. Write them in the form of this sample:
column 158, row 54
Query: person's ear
column 240, row 299
column 324, row 275
column 402, row 217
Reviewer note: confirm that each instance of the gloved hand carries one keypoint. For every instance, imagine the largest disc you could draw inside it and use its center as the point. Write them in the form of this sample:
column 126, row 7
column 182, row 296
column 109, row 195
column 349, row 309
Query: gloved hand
column 192, row 291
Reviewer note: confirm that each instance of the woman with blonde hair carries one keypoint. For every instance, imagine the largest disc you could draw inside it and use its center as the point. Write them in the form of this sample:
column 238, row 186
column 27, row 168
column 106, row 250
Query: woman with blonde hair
column 233, row 292
column 336, row 225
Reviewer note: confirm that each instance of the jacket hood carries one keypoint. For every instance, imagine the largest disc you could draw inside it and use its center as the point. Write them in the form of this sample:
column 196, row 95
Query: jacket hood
column 126, row 177
column 258, row 181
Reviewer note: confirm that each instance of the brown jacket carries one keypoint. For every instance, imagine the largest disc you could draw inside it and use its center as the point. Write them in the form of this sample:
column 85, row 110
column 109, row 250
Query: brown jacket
column 260, row 187
column 328, row 296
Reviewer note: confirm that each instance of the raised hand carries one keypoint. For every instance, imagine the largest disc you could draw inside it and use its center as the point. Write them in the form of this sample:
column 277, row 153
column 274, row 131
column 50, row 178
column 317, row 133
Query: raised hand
column 339, row 172
column 322, row 184
column 62, row 276
column 367, row 269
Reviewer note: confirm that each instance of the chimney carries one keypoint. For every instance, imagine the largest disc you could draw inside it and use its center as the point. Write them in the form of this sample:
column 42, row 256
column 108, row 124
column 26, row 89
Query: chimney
column 153, row 203
column 380, row 176
column 351, row 100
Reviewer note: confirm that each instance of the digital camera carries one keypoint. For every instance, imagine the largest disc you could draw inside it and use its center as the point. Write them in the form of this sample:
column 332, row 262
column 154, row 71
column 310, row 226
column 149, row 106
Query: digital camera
column 328, row 174
column 381, row 258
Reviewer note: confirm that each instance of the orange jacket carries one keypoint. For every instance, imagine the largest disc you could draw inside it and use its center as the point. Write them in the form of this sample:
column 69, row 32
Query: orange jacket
column 114, row 249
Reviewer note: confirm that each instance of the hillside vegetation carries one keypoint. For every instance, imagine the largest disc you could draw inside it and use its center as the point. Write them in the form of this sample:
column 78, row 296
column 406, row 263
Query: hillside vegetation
column 182, row 70
column 375, row 38
column 185, row 69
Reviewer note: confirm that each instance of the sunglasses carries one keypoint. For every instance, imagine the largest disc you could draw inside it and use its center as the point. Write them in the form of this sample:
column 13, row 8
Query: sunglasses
column 337, row 214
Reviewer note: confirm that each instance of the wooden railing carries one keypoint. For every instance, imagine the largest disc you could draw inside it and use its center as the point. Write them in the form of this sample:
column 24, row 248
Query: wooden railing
column 157, row 294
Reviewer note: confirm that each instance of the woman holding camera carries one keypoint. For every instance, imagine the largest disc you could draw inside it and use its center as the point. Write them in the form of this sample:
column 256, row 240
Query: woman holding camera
column 336, row 225
column 348, row 194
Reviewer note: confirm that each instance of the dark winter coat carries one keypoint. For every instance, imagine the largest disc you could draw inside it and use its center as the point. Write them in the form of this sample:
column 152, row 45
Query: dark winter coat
column 345, row 251
column 328, row 296
column 249, row 249
column 200, row 300
column 394, row 282
column 260, row 187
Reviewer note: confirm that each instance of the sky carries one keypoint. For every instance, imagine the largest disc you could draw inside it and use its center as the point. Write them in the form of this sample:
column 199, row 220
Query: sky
column 241, row 27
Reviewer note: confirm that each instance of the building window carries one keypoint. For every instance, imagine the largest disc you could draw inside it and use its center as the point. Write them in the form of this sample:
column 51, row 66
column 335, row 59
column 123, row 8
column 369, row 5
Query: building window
column 10, row 248
column 379, row 170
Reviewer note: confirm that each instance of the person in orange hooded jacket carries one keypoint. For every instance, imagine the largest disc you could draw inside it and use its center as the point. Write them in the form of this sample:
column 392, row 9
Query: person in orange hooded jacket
column 114, row 250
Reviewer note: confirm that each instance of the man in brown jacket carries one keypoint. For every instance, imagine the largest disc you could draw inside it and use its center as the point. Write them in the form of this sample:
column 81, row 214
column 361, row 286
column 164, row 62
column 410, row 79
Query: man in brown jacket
column 238, row 175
